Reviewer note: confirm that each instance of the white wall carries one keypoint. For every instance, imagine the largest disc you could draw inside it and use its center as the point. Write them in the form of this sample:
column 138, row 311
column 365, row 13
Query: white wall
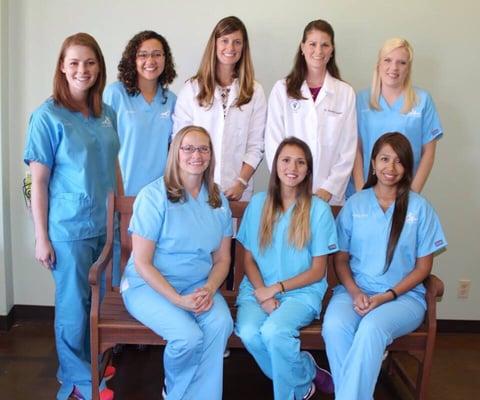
column 444, row 35
column 6, row 287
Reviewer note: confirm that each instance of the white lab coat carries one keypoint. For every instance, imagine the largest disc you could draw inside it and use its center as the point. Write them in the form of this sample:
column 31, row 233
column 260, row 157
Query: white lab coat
column 237, row 138
column 328, row 126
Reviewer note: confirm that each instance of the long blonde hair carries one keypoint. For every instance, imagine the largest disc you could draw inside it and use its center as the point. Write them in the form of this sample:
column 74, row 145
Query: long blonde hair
column 173, row 181
column 299, row 231
column 206, row 74
column 376, row 90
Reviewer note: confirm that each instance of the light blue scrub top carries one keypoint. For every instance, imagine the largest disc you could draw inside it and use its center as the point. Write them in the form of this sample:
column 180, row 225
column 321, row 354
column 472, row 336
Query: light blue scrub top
column 144, row 130
column 81, row 154
column 185, row 235
column 421, row 125
column 363, row 232
column 281, row 260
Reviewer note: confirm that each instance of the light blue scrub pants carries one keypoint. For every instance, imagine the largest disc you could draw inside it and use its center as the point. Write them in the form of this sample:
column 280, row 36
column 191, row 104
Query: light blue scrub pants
column 355, row 345
column 273, row 340
column 72, row 313
column 193, row 356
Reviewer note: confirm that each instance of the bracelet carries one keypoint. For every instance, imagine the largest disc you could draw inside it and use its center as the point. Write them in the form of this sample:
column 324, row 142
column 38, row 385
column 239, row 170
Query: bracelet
column 282, row 287
column 242, row 181
column 395, row 295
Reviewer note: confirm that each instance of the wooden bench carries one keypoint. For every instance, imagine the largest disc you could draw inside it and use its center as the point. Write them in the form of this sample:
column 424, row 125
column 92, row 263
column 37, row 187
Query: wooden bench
column 111, row 324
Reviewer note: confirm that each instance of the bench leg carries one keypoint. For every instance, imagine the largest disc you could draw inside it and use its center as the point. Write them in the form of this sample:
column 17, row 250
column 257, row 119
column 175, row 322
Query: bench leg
column 95, row 369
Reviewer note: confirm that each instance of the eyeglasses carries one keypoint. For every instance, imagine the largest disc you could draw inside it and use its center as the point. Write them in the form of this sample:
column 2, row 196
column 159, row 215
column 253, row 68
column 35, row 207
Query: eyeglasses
column 189, row 149
column 144, row 55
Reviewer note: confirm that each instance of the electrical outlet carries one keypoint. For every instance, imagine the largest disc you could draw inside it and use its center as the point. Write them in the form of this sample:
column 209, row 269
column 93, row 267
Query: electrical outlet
column 463, row 290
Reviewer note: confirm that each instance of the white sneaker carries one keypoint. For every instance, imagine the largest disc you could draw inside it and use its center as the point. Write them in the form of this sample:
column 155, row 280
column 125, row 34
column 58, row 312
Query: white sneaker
column 311, row 391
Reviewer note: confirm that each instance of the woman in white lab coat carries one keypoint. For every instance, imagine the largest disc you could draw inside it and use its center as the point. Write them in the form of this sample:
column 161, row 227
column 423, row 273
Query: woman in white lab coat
column 224, row 98
column 313, row 104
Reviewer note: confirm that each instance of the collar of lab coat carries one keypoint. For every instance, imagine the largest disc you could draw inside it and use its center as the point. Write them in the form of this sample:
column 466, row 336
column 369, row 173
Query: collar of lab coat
column 327, row 88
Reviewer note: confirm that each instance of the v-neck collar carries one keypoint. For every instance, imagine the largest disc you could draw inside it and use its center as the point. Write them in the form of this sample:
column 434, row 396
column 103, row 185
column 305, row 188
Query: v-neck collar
column 396, row 106
column 378, row 208
column 145, row 104
column 201, row 197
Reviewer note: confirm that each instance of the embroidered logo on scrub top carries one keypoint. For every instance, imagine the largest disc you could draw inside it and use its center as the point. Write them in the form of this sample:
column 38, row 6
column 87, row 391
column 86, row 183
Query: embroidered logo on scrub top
column 332, row 247
column 107, row 122
column 414, row 113
column 438, row 242
column 165, row 114
column 295, row 105
column 411, row 218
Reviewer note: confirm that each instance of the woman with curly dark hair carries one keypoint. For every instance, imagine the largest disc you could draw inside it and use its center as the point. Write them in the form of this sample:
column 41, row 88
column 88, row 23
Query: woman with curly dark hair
column 144, row 107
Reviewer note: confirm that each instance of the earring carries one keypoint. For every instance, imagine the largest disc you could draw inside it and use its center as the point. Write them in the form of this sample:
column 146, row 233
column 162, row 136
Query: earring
column 373, row 172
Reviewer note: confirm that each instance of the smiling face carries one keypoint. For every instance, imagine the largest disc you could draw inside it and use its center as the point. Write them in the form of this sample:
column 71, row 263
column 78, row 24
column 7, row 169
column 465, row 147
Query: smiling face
column 196, row 162
column 291, row 166
column 81, row 69
column 150, row 60
column 229, row 48
column 317, row 50
column 387, row 166
column 393, row 68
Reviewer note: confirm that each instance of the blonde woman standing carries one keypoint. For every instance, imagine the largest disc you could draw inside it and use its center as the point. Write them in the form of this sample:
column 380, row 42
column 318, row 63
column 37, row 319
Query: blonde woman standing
column 393, row 104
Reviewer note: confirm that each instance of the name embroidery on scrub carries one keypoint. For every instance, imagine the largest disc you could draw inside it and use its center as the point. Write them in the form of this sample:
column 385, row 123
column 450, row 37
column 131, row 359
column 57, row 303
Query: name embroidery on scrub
column 330, row 111
column 411, row 218
column 165, row 114
column 295, row 105
column 359, row 215
column 107, row 122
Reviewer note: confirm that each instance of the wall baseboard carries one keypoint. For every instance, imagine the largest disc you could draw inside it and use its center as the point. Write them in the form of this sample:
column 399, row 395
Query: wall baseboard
column 458, row 326
column 28, row 312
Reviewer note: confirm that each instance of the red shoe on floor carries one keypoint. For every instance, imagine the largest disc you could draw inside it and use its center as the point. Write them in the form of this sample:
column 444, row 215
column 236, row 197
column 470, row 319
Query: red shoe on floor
column 105, row 394
column 109, row 372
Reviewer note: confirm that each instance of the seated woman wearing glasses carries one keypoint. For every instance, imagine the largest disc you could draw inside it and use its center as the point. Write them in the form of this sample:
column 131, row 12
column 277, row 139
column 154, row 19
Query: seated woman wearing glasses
column 387, row 237
column 181, row 231
column 287, row 234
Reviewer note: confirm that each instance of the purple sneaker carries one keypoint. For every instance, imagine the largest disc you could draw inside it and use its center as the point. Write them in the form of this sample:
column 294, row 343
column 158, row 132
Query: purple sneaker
column 323, row 379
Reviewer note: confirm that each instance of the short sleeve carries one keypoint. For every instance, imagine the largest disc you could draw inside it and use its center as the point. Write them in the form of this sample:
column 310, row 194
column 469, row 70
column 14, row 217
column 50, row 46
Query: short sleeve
column 431, row 126
column 344, row 227
column 430, row 236
column 244, row 233
column 324, row 233
column 148, row 213
column 108, row 96
column 227, row 222
column 42, row 140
